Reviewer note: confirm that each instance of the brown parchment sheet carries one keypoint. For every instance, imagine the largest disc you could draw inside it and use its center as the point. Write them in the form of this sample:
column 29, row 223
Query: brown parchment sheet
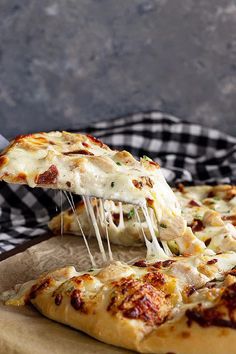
column 23, row 329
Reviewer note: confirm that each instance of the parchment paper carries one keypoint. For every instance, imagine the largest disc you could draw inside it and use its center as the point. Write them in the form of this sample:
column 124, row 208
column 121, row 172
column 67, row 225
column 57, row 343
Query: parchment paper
column 23, row 329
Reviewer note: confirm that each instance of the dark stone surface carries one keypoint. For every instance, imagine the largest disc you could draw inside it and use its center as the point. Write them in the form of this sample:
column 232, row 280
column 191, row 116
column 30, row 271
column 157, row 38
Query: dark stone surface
column 64, row 63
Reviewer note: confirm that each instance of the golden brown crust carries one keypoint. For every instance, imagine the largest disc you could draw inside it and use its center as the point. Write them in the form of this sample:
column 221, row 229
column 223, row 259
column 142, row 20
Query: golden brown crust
column 134, row 307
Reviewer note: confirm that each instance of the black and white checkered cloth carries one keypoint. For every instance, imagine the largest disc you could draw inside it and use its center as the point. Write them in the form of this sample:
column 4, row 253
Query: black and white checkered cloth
column 188, row 152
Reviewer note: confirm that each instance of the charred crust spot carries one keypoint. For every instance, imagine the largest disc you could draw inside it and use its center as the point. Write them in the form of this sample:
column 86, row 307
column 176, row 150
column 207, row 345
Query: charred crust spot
column 38, row 288
column 185, row 334
column 18, row 138
column 193, row 203
column 212, row 261
column 142, row 263
column 58, row 299
column 48, row 177
column 21, row 177
column 137, row 184
column 141, row 301
column 84, row 277
column 75, row 300
column 68, row 183
column 3, row 161
column 197, row 225
column 78, row 152
column 85, row 144
column 156, row 279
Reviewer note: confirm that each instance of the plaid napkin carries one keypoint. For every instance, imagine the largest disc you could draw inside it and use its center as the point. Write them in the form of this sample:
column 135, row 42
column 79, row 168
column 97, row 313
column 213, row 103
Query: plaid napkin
column 188, row 153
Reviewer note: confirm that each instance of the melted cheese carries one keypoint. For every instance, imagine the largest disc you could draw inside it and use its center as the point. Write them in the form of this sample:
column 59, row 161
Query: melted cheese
column 83, row 165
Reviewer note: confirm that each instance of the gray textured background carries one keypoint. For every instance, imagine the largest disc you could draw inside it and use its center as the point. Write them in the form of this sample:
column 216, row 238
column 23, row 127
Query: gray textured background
column 64, row 63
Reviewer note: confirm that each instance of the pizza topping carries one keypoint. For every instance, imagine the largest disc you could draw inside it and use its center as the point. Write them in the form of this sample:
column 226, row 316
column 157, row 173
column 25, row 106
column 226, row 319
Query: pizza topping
column 75, row 300
column 97, row 141
column 141, row 301
column 197, row 225
column 85, row 144
column 216, row 315
column 190, row 290
column 137, row 184
column 78, row 152
column 193, row 203
column 231, row 218
column 164, row 264
column 180, row 188
column 212, row 261
column 154, row 163
column 21, row 177
column 142, row 263
column 147, row 181
column 58, row 299
column 150, row 202
column 131, row 214
column 207, row 242
column 48, row 177
column 37, row 288
column 164, row 226
column 156, row 279
column 68, row 183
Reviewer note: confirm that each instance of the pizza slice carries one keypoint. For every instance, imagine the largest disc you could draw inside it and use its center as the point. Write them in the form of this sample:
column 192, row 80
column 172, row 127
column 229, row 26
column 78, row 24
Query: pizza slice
column 83, row 165
column 210, row 212
column 125, row 225
column 152, row 306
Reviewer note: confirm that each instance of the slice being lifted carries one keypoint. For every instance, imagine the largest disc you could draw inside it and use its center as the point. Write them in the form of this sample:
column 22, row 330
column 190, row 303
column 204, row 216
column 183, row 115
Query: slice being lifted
column 151, row 307
column 84, row 165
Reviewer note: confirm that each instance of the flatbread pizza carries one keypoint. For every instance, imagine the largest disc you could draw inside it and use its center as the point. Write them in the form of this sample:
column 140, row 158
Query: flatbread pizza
column 181, row 298
column 183, row 305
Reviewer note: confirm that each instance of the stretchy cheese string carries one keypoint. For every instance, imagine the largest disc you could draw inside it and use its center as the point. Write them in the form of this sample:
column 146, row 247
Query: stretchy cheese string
column 156, row 248
column 69, row 197
column 151, row 251
column 95, row 226
column 106, row 230
column 62, row 216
